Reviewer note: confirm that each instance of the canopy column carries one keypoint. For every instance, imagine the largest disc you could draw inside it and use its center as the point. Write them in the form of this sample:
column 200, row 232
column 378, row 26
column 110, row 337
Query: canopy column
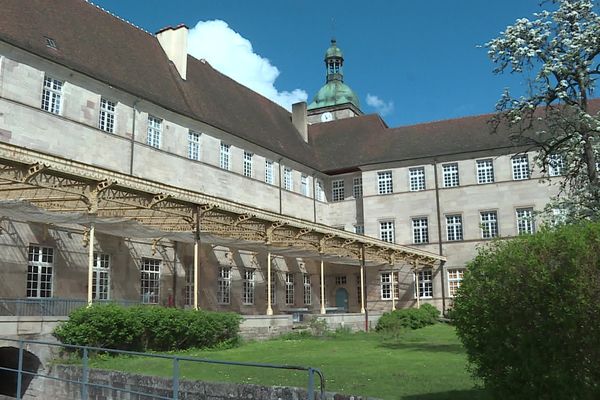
column 417, row 289
column 197, row 244
column 393, row 283
column 269, row 288
column 322, row 286
column 90, row 293
column 362, row 280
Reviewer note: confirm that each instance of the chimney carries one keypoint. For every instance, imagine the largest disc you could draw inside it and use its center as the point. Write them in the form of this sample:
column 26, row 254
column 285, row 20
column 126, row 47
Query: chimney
column 299, row 119
column 174, row 43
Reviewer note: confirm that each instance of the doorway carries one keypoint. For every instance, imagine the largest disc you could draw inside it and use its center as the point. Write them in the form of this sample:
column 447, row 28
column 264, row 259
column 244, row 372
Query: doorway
column 341, row 299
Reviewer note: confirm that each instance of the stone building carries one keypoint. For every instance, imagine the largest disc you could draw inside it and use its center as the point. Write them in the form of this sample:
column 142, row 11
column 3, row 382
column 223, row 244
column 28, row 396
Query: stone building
column 131, row 171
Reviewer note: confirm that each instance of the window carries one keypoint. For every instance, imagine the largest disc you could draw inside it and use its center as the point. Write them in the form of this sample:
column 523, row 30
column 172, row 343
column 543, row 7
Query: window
column 304, row 188
column 384, row 182
column 340, row 280
column 337, row 190
column 359, row 229
column 150, row 280
column 454, row 229
column 386, row 231
column 269, row 177
column 193, row 145
column 556, row 165
column 273, row 287
column 455, row 276
column 525, row 223
column 520, row 167
column 154, row 131
column 307, row 289
column 51, row 43
column 425, row 283
column 289, row 289
column 287, row 178
column 420, row 230
column 386, row 285
column 489, row 224
column 357, row 190
column 224, row 285
column 485, row 171
column 101, row 277
column 224, row 156
column 417, row 178
column 358, row 289
column 40, row 267
column 320, row 193
column 248, row 286
column 248, row 164
column 52, row 95
column 189, row 285
column 107, row 116
column 450, row 172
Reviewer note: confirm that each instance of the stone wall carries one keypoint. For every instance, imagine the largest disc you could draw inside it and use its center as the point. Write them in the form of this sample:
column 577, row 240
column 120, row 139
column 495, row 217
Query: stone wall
column 150, row 385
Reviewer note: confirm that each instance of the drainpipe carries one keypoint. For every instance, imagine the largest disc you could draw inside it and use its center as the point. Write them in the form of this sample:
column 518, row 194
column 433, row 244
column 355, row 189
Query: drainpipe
column 314, row 193
column 439, row 223
column 133, row 136
column 280, row 183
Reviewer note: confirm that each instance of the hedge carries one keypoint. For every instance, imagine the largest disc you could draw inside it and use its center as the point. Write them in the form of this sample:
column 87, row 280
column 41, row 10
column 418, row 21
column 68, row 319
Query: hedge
column 408, row 318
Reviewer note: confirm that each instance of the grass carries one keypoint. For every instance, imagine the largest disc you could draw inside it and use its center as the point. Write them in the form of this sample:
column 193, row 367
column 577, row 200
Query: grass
column 425, row 364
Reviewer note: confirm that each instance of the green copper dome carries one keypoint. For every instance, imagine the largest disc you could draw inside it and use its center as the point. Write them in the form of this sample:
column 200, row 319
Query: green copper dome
column 335, row 91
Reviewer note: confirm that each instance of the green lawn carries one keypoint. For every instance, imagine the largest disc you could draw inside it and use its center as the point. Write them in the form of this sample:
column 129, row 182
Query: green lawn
column 425, row 364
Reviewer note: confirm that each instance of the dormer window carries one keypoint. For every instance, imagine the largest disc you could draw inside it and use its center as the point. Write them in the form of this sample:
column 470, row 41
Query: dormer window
column 50, row 42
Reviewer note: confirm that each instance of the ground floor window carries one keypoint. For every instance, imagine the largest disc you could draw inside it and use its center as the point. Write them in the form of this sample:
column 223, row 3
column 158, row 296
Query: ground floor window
column 150, row 280
column 358, row 289
column 101, row 277
column 340, row 280
column 224, row 282
column 40, row 269
column 289, row 288
column 248, row 286
column 189, row 285
column 307, row 290
column 425, row 283
column 386, row 285
column 455, row 277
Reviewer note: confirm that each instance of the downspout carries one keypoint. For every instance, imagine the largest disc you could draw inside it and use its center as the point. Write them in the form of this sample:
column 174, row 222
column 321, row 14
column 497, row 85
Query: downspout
column 133, row 136
column 439, row 224
column 314, row 193
column 280, row 183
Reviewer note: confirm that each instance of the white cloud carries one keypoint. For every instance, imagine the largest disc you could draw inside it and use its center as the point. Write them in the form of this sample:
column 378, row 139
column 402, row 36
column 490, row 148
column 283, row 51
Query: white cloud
column 232, row 54
column 379, row 105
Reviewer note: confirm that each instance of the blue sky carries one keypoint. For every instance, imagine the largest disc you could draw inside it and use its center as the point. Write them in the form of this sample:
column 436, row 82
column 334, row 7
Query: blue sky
column 418, row 58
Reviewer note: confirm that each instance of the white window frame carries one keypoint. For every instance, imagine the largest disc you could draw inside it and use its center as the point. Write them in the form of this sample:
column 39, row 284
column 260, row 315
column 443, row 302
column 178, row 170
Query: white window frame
column 341, row 280
column 307, row 289
column 225, row 156
column 520, row 167
column 416, row 177
column 385, row 184
column 357, row 188
column 106, row 116
column 359, row 229
column 425, row 283
column 269, row 175
column 193, row 145
column 247, row 167
column 320, row 192
column 525, row 221
column 337, row 190
column 189, row 285
column 289, row 289
column 248, row 286
column 288, row 181
column 489, row 224
column 154, row 136
column 385, row 284
column 454, row 227
column 305, row 185
column 150, row 280
column 224, row 285
column 52, row 95
column 556, row 165
column 485, row 171
column 40, row 272
column 455, row 277
column 387, row 231
column 420, row 230
column 101, row 277
column 451, row 175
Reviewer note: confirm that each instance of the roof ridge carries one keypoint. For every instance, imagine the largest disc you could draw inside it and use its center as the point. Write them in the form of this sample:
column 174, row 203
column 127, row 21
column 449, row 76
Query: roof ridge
column 117, row 17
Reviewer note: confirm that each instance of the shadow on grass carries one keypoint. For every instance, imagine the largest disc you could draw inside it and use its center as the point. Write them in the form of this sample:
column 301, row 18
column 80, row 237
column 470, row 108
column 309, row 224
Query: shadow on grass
column 473, row 394
column 429, row 347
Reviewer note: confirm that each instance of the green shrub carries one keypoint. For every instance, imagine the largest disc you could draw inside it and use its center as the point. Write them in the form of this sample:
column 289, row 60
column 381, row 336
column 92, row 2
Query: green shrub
column 144, row 328
column 528, row 313
column 408, row 318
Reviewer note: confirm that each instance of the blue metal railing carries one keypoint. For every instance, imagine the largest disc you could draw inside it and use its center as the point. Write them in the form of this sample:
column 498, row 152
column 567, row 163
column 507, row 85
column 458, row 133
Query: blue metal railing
column 85, row 383
column 49, row 307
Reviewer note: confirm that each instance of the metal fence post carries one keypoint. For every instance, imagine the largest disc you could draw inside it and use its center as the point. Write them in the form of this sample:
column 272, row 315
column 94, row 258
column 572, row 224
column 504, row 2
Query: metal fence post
column 85, row 375
column 311, row 384
column 175, row 378
column 20, row 370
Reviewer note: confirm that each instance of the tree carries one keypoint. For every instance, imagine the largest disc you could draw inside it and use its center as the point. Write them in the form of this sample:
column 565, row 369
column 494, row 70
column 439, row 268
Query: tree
column 559, row 52
column 528, row 314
